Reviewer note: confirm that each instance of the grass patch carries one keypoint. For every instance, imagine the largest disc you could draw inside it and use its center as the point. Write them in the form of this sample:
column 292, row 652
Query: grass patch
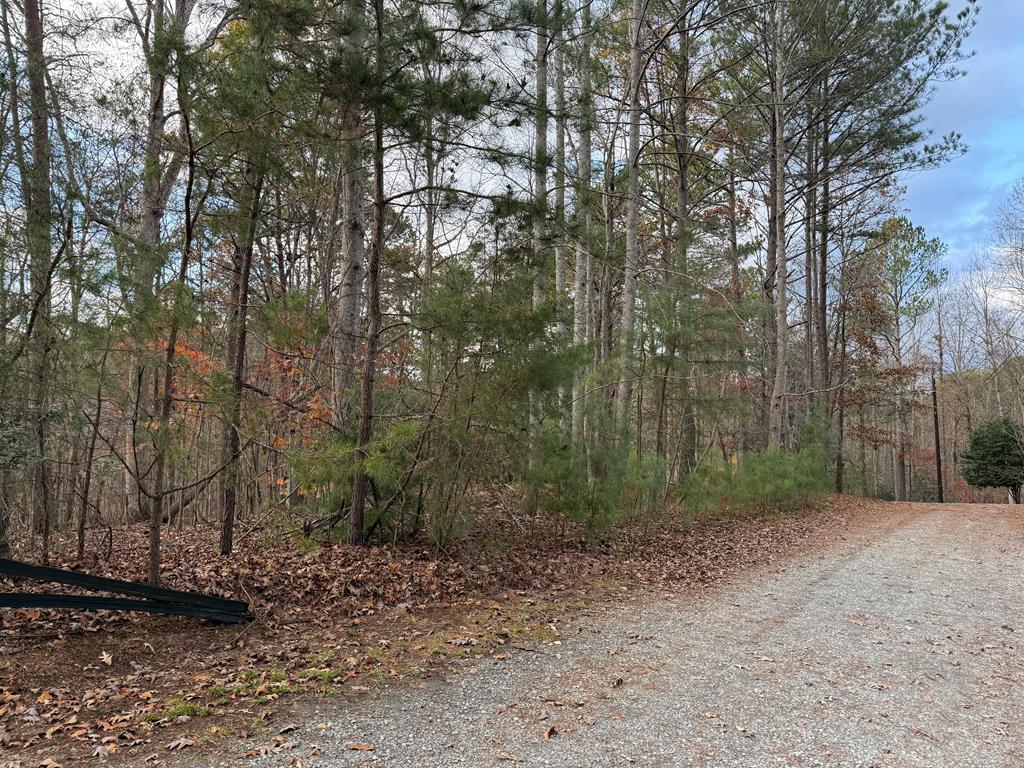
column 307, row 546
column 175, row 709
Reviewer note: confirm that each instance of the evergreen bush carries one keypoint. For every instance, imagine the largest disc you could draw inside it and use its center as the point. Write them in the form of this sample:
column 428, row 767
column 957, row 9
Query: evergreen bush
column 768, row 481
column 995, row 457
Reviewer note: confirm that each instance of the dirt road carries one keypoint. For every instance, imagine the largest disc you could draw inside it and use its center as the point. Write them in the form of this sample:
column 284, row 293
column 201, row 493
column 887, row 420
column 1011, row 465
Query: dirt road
column 896, row 649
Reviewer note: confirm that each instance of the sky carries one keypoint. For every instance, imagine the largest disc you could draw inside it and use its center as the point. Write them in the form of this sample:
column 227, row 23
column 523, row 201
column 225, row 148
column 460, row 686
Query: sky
column 959, row 201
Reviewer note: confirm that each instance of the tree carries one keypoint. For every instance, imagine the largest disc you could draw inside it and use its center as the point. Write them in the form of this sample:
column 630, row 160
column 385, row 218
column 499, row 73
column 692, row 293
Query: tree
column 632, row 265
column 331, row 249
column 909, row 265
column 995, row 457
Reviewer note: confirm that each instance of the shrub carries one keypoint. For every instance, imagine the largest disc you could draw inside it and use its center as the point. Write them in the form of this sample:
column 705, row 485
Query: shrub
column 596, row 487
column 995, row 457
column 771, row 480
column 324, row 472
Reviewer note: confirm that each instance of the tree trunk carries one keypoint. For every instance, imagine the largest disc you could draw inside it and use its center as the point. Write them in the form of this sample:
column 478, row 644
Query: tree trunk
column 584, row 201
column 231, row 440
column 345, row 319
column 38, row 221
column 778, row 398
column 138, row 453
column 559, row 180
column 604, row 325
column 769, row 334
column 821, row 318
column 940, row 491
column 540, row 230
column 356, row 532
column 659, row 436
column 628, row 319
column 688, row 443
column 899, row 449
column 83, row 511
column 170, row 351
column 899, row 457
column 812, row 377
column 345, row 334
column 736, row 286
column 841, row 403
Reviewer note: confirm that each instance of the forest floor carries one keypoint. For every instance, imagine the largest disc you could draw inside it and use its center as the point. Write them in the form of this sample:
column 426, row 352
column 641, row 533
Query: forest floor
column 855, row 633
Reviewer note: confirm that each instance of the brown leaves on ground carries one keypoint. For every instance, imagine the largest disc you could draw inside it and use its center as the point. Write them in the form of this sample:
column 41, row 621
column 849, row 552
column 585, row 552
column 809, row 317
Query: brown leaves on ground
column 103, row 681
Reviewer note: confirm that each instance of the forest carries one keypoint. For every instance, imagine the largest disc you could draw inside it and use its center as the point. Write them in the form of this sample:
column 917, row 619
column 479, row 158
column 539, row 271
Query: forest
column 348, row 270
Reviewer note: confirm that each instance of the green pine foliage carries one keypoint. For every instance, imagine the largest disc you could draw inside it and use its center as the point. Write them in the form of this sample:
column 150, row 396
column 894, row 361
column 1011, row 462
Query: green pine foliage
column 595, row 487
column 324, row 473
column 769, row 481
column 404, row 178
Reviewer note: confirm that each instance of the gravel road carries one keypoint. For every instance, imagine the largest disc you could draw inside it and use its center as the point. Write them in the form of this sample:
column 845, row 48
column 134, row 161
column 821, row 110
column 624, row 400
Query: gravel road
column 893, row 649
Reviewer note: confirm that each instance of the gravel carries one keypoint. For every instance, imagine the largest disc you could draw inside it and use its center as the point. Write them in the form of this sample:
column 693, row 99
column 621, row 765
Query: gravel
column 891, row 650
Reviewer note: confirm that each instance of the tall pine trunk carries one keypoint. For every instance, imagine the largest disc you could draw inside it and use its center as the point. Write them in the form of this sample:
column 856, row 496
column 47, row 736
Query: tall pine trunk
column 559, row 180
column 821, row 316
column 736, row 288
column 540, row 230
column 688, row 438
column 345, row 333
column 627, row 324
column 231, row 439
column 346, row 315
column 777, row 403
column 38, row 239
column 356, row 530
column 584, row 201
column 138, row 449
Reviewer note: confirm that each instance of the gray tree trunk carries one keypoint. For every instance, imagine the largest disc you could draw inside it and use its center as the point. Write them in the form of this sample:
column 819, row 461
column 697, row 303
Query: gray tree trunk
column 584, row 201
column 158, row 177
column 540, row 230
column 38, row 239
column 627, row 324
column 356, row 531
column 688, row 436
column 777, row 403
column 348, row 310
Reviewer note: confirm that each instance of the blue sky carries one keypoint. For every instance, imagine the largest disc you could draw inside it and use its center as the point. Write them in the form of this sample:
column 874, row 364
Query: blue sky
column 959, row 201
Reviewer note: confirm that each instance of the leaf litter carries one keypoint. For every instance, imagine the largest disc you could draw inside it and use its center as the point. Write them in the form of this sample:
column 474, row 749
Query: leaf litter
column 82, row 686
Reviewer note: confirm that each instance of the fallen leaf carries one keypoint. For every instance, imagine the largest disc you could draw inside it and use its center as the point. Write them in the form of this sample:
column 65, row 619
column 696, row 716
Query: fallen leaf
column 360, row 746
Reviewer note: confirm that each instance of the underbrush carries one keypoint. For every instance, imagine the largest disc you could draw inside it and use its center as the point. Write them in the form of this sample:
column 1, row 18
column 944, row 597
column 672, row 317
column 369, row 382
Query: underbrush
column 771, row 481
column 364, row 614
